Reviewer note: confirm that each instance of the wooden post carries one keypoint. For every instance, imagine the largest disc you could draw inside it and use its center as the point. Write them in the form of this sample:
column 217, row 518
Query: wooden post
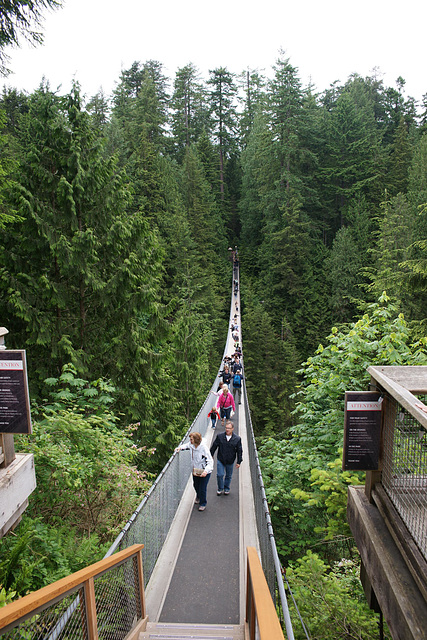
column 92, row 623
column 372, row 477
column 8, row 448
column 139, row 581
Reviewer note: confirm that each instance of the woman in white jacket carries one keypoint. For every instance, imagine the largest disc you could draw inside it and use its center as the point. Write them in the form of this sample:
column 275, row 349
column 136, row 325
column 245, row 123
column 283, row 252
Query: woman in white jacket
column 202, row 464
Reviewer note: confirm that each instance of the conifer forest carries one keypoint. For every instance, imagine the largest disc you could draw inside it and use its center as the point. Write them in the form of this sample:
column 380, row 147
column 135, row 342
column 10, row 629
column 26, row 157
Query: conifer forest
column 116, row 217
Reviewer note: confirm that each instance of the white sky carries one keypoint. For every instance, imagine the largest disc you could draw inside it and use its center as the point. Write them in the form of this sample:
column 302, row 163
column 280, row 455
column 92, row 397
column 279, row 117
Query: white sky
column 93, row 40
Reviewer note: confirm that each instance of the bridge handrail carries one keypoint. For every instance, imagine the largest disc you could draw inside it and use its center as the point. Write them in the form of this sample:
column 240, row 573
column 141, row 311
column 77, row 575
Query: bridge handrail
column 34, row 614
column 269, row 556
column 261, row 613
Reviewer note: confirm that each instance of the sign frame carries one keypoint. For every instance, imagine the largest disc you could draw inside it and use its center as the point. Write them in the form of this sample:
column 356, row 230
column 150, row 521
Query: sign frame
column 362, row 430
column 15, row 413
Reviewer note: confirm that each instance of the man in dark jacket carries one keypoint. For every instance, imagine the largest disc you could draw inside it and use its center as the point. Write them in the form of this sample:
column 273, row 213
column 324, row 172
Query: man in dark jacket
column 229, row 447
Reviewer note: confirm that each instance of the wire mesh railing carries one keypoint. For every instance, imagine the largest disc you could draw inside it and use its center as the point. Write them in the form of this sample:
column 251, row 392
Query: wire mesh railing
column 404, row 473
column 150, row 523
column 269, row 557
column 64, row 610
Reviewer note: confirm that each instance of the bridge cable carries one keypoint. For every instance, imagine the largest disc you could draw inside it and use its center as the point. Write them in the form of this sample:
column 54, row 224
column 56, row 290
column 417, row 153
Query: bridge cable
column 295, row 604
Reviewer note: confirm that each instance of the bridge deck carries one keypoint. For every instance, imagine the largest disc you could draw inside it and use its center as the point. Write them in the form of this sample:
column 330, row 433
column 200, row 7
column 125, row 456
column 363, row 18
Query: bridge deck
column 205, row 585
column 201, row 572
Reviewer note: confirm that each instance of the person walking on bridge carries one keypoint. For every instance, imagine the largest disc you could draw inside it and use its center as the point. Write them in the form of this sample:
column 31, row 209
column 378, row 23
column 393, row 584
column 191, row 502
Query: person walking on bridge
column 202, row 463
column 225, row 404
column 229, row 447
column 237, row 386
column 214, row 416
column 225, row 374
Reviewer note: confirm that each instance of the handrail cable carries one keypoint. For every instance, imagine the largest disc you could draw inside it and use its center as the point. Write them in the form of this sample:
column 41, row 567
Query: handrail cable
column 272, row 541
column 295, row 604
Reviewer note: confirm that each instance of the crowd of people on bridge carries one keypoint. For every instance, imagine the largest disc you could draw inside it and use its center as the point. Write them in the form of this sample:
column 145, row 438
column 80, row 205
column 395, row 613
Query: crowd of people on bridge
column 227, row 443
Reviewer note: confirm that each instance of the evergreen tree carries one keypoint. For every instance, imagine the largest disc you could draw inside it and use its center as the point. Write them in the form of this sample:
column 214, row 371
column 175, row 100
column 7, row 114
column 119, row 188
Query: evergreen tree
column 399, row 161
column 99, row 108
column 222, row 103
column 190, row 111
column 140, row 105
column 7, row 213
column 350, row 257
column 21, row 18
column 270, row 365
column 394, row 237
column 252, row 204
column 352, row 161
column 80, row 277
column 208, row 157
column 396, row 107
column 285, row 98
column 253, row 86
column 203, row 213
column 415, row 267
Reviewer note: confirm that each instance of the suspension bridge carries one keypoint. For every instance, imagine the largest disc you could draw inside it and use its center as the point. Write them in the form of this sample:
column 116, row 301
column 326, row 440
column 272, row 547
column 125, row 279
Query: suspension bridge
column 175, row 572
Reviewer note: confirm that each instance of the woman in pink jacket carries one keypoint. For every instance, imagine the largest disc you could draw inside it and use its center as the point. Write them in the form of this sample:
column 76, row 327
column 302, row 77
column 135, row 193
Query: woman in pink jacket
column 225, row 404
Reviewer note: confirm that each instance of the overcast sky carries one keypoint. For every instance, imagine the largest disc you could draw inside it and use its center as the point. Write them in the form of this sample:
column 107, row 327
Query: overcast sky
column 93, row 40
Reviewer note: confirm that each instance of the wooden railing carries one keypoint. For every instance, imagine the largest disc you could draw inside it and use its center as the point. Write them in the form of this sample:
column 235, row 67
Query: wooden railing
column 82, row 585
column 261, row 616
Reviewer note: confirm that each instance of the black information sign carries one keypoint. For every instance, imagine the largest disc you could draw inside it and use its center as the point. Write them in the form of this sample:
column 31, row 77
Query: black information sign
column 362, row 430
column 15, row 414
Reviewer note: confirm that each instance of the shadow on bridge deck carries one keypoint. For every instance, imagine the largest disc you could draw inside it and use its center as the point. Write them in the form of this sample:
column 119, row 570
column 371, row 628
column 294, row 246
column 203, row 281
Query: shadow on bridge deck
column 200, row 574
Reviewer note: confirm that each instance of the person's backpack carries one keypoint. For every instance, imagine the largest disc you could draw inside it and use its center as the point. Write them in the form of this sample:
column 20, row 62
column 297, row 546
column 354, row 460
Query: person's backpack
column 237, row 382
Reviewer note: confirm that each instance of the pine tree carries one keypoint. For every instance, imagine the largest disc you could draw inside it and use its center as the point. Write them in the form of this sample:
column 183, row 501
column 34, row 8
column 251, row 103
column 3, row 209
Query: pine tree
column 252, row 83
column 351, row 164
column 349, row 259
column 99, row 108
column 399, row 160
column 270, row 365
column 394, row 237
column 190, row 110
column 21, row 18
column 222, row 103
column 78, row 271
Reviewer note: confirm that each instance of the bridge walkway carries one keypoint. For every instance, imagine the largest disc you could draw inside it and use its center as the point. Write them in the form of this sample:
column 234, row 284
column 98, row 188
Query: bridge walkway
column 200, row 575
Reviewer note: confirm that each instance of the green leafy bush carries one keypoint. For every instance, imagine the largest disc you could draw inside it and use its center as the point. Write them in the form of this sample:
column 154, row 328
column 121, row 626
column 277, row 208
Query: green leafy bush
column 305, row 489
column 36, row 554
column 330, row 600
column 88, row 483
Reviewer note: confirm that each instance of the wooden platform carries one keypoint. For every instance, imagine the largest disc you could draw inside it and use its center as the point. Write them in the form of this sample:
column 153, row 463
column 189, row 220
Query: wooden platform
column 386, row 576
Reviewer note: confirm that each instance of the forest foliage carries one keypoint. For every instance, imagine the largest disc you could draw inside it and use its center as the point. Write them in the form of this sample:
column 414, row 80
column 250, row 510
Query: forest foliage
column 116, row 214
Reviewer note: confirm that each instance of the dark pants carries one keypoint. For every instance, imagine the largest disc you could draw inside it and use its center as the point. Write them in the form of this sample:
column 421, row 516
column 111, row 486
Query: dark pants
column 225, row 413
column 201, row 486
column 237, row 394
